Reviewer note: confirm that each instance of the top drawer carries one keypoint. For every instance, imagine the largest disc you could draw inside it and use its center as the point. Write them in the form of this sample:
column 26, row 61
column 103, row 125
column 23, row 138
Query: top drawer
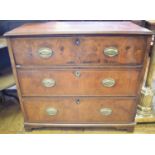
column 79, row 50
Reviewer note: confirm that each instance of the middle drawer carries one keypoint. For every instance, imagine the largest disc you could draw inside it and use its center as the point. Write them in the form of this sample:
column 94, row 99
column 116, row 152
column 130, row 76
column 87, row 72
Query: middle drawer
column 82, row 82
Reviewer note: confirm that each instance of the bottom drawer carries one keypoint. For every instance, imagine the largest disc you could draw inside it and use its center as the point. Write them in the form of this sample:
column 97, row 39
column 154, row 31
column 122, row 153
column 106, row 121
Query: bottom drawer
column 79, row 110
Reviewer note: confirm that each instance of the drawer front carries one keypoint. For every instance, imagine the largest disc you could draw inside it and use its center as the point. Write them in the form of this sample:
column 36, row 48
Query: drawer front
column 79, row 50
column 80, row 110
column 107, row 82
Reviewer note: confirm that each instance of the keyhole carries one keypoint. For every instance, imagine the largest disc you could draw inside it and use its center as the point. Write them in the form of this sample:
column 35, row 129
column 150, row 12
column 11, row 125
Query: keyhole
column 77, row 42
column 77, row 73
column 77, row 101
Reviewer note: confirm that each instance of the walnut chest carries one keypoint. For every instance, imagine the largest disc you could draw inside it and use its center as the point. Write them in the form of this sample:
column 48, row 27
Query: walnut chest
column 79, row 74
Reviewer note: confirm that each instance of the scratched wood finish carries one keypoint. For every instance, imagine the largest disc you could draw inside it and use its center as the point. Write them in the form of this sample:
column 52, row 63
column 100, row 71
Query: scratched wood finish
column 87, row 111
column 90, row 50
column 89, row 83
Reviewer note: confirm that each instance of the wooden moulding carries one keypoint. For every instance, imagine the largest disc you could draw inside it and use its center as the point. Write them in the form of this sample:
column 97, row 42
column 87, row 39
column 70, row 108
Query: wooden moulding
column 128, row 127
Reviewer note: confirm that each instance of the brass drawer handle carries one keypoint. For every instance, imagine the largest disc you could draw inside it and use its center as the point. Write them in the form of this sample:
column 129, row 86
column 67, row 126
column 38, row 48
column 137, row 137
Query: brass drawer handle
column 51, row 111
column 106, row 111
column 45, row 52
column 111, row 51
column 109, row 82
column 48, row 82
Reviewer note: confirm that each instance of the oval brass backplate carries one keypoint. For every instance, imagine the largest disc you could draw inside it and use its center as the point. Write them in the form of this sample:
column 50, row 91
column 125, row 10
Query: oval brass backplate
column 106, row 111
column 111, row 51
column 51, row 111
column 48, row 82
column 109, row 82
column 45, row 52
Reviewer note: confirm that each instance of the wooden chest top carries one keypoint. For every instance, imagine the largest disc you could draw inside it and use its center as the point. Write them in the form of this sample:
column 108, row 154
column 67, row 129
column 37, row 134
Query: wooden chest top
column 76, row 27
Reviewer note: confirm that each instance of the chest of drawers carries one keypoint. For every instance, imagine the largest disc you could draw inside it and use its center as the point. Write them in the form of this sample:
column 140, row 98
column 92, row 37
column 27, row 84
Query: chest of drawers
column 79, row 74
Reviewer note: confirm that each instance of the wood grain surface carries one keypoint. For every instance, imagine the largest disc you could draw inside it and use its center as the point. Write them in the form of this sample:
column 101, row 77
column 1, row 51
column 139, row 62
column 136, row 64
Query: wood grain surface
column 79, row 27
column 89, row 51
column 89, row 83
column 87, row 111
